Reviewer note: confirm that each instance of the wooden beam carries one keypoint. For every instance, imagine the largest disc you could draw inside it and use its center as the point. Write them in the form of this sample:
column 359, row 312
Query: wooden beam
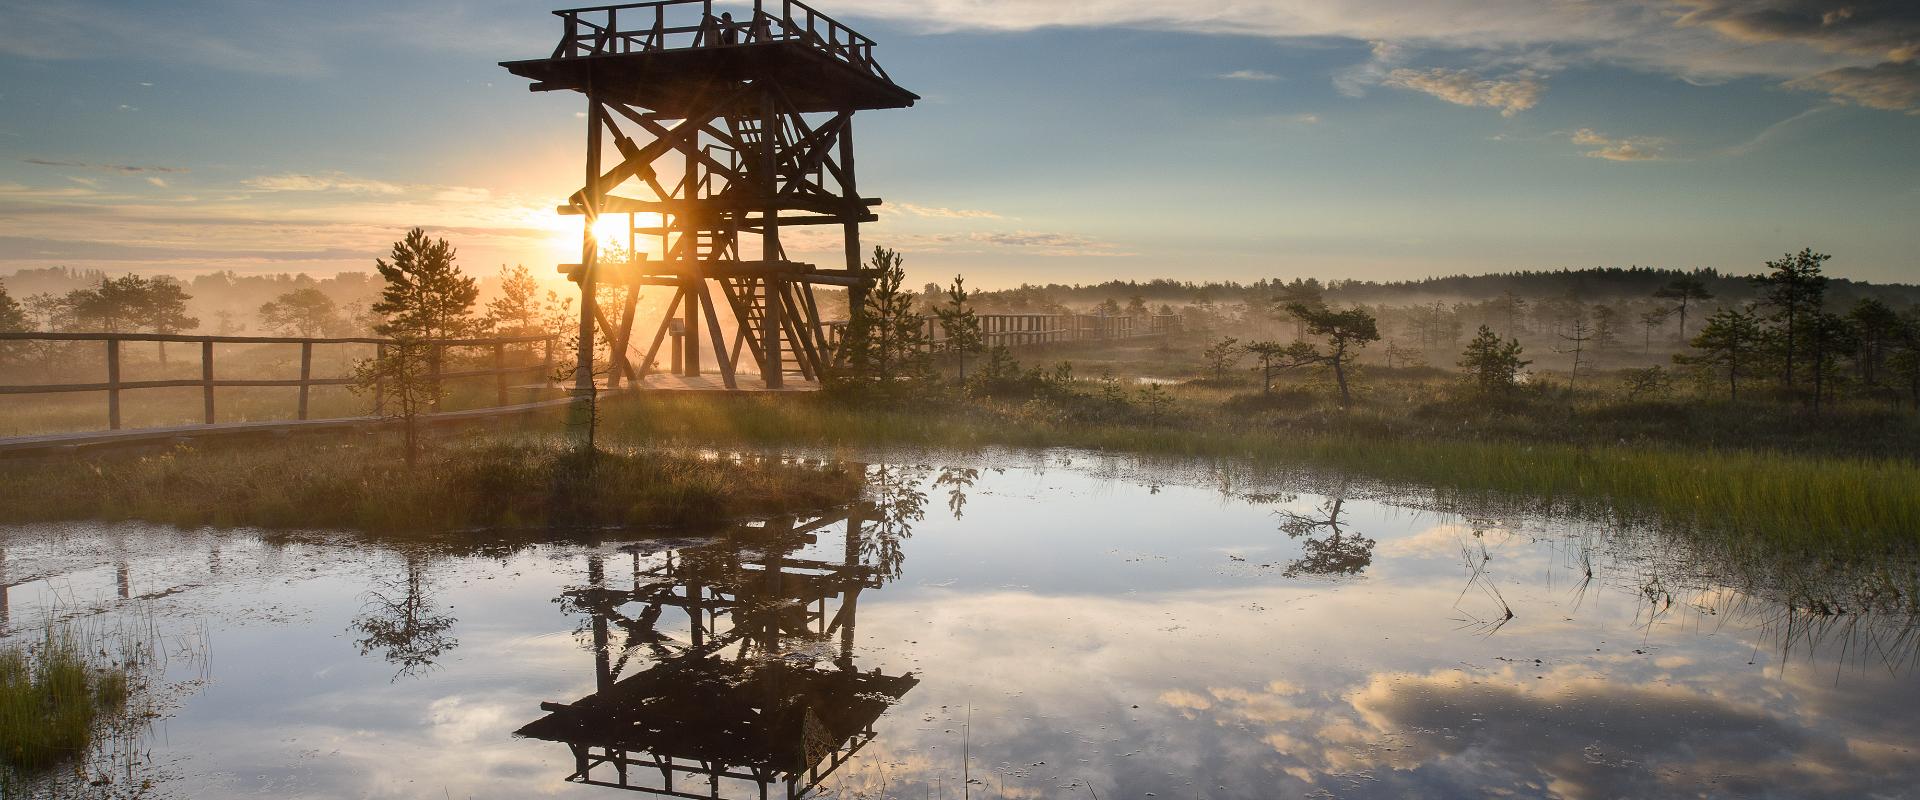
column 206, row 380
column 713, row 329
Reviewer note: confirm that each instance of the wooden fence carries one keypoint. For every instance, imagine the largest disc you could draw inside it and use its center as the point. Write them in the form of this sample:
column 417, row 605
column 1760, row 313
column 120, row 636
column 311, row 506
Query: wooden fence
column 1016, row 330
column 207, row 383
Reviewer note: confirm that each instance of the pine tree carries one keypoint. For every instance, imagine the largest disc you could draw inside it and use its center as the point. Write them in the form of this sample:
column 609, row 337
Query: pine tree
column 1794, row 289
column 1492, row 364
column 1686, row 289
column 1346, row 333
column 1728, row 342
column 959, row 325
column 426, row 295
column 884, row 354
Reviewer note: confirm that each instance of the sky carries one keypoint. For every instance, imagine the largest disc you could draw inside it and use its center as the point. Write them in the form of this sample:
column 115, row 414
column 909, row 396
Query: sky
column 1055, row 141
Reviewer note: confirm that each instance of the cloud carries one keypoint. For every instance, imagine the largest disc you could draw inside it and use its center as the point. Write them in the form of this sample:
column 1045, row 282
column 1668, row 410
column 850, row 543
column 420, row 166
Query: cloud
column 157, row 181
column 1702, row 41
column 124, row 168
column 1631, row 148
column 1888, row 86
column 1885, row 29
column 936, row 212
column 332, row 182
column 1248, row 75
column 1512, row 94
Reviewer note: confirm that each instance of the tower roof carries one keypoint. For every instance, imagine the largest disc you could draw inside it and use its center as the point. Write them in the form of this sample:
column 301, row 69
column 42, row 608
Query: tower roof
column 672, row 55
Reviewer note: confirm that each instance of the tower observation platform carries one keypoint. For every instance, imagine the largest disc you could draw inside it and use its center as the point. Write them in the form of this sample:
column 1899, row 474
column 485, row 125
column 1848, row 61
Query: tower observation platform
column 712, row 130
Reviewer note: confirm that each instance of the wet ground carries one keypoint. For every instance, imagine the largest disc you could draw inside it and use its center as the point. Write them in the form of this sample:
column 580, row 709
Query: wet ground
column 1066, row 626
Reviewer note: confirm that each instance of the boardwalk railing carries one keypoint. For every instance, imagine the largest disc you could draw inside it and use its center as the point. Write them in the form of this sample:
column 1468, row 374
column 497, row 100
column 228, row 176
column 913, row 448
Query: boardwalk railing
column 1017, row 330
column 684, row 24
column 114, row 385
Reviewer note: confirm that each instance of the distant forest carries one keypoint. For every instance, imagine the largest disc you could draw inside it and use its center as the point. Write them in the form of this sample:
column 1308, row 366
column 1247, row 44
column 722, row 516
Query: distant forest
column 1592, row 284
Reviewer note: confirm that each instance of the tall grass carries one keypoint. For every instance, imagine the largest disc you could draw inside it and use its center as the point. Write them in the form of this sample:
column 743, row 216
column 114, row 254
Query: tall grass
column 362, row 484
column 1812, row 503
column 52, row 697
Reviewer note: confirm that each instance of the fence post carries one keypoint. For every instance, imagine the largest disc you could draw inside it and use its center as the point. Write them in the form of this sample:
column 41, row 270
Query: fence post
column 379, row 380
column 206, row 379
column 306, row 375
column 500, row 373
column 113, row 384
column 546, row 365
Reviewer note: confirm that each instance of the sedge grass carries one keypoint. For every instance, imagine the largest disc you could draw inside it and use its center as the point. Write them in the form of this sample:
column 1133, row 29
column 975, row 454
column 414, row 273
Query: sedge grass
column 1813, row 503
column 52, row 698
column 364, row 485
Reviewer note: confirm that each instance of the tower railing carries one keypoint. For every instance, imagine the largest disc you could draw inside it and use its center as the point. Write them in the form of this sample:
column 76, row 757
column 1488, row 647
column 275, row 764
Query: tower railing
column 688, row 24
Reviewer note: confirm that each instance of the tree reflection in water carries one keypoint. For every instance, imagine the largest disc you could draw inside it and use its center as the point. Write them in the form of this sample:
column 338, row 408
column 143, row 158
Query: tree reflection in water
column 1338, row 553
column 727, row 668
column 401, row 621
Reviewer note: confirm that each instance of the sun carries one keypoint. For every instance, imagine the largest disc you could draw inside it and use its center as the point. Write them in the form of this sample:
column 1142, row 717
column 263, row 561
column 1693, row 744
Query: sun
column 610, row 231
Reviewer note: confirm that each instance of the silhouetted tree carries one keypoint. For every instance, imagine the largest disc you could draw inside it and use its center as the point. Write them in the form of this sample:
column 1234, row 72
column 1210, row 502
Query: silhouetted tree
column 401, row 376
column 1607, row 322
column 1728, row 343
column 1876, row 327
column 1276, row 358
column 1828, row 338
column 960, row 326
column 1306, row 292
column 1511, row 307
column 1346, row 332
column 1903, row 364
column 1794, row 291
column 1577, row 335
column 1221, row 355
column 13, row 319
column 521, row 311
column 1652, row 320
column 305, row 312
column 426, row 296
column 1685, row 289
column 885, row 350
column 1491, row 364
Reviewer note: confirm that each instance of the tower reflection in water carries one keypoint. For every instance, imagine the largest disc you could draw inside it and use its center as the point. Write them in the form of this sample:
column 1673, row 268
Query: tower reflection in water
column 726, row 669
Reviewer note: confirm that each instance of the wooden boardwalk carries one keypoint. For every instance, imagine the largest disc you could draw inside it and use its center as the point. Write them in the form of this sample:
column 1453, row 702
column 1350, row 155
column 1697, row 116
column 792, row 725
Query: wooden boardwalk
column 71, row 442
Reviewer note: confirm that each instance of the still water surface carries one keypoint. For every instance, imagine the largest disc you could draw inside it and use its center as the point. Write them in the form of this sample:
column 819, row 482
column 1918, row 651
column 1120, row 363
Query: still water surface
column 1060, row 628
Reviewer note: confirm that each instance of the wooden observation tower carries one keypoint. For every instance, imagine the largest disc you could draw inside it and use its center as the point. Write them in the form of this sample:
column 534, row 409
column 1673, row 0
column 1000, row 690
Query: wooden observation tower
column 726, row 126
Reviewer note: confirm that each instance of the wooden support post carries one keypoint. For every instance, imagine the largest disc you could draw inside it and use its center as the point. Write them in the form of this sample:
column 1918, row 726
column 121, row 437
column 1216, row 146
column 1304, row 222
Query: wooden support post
column 546, row 363
column 850, row 192
column 690, row 253
column 306, row 375
column 691, row 347
column 380, row 382
column 770, row 321
column 623, row 336
column 500, row 373
column 113, row 384
column 713, row 330
column 666, row 321
column 583, row 387
column 206, row 380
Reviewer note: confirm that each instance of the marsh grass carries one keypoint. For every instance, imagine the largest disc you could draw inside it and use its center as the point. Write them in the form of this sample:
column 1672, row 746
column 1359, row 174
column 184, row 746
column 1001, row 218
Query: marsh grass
column 54, row 699
column 511, row 483
column 1806, row 503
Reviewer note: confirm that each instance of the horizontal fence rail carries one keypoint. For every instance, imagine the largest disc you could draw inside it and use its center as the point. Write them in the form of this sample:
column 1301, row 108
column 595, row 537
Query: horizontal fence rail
column 684, row 24
column 114, row 385
column 1016, row 330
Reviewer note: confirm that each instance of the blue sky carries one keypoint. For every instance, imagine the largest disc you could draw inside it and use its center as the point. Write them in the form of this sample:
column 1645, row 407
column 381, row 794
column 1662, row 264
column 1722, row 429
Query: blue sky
column 1055, row 141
